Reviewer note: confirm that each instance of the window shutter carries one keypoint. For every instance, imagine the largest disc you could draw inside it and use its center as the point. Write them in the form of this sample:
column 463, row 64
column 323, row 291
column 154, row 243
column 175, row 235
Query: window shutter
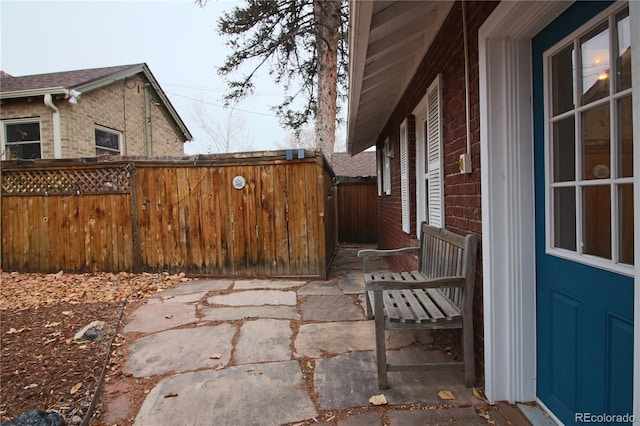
column 387, row 168
column 434, row 154
column 379, row 159
column 404, row 176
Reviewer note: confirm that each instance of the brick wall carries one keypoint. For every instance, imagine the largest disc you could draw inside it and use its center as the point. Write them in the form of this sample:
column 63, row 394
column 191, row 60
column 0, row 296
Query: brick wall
column 461, row 191
column 119, row 107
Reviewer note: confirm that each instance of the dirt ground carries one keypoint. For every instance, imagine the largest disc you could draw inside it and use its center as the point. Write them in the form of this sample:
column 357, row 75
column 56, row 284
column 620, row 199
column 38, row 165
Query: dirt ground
column 42, row 366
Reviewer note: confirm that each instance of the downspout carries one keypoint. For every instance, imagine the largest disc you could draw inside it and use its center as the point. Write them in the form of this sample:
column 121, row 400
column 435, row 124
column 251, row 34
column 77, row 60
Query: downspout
column 465, row 159
column 57, row 138
column 147, row 121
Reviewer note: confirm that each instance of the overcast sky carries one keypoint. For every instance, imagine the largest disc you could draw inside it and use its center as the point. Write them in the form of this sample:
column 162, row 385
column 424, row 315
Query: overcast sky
column 177, row 40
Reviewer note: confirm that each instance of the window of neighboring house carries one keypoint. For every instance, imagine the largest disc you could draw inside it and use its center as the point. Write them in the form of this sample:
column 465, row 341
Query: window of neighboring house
column 21, row 139
column 107, row 141
column 589, row 126
column 386, row 173
column 404, row 176
column 429, row 170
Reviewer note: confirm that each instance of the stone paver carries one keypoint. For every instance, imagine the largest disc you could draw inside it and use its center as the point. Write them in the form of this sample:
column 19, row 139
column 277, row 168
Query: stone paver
column 180, row 350
column 331, row 308
column 264, row 340
column 244, row 312
column 266, row 284
column 317, row 339
column 160, row 316
column 179, row 298
column 455, row 415
column 255, row 297
column 320, row 288
column 197, row 286
column 349, row 380
column 351, row 284
column 260, row 394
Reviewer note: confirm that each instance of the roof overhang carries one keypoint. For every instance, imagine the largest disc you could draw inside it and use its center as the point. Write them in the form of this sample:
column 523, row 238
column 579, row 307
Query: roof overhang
column 34, row 93
column 387, row 42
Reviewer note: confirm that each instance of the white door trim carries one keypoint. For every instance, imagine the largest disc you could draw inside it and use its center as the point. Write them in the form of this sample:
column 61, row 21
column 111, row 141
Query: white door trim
column 634, row 15
column 508, row 228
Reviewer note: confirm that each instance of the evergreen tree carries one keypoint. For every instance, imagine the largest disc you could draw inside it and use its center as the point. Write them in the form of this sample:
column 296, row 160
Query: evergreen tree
column 303, row 44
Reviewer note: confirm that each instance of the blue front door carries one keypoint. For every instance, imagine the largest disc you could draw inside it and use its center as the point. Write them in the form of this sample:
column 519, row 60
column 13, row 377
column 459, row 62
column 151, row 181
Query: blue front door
column 584, row 213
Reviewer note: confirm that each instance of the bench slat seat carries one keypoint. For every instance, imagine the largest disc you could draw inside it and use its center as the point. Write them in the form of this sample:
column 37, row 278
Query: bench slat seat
column 432, row 297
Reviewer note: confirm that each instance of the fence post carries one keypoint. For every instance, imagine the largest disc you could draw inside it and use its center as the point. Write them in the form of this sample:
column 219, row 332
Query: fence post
column 135, row 220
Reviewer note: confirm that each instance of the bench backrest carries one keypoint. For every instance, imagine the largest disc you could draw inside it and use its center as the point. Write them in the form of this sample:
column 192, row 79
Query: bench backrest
column 442, row 254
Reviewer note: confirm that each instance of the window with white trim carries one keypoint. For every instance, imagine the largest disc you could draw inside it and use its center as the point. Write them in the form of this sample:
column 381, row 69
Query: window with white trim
column 21, row 139
column 429, row 169
column 589, row 152
column 404, row 176
column 386, row 173
column 107, row 141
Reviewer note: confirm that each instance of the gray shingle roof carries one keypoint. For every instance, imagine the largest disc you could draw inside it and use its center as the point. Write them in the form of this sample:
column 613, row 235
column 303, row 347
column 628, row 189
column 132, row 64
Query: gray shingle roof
column 66, row 79
column 362, row 164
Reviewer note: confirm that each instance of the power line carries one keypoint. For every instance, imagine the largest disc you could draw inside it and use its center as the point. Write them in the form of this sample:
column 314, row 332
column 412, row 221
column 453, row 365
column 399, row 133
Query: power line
column 213, row 89
column 221, row 106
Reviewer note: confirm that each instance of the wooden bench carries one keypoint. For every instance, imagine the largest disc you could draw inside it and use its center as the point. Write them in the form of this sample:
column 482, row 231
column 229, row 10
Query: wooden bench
column 438, row 295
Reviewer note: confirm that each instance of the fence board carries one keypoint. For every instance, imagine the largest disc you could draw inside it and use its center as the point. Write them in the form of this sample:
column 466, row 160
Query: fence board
column 357, row 212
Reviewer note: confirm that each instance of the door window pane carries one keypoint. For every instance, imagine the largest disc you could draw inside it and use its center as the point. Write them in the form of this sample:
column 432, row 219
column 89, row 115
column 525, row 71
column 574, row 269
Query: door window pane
column 623, row 33
column 564, row 150
column 564, row 207
column 595, row 65
column 563, row 71
column 596, row 143
column 625, row 212
column 597, row 221
column 625, row 137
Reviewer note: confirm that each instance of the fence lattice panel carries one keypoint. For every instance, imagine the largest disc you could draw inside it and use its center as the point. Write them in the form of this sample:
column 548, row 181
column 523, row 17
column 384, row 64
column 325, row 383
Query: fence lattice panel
column 66, row 181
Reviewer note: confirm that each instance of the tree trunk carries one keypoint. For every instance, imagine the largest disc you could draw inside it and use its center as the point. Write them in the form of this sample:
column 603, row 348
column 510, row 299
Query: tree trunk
column 327, row 22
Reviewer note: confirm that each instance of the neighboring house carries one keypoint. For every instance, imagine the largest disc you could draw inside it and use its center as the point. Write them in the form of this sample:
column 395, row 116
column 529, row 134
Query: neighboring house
column 118, row 110
column 360, row 165
column 526, row 138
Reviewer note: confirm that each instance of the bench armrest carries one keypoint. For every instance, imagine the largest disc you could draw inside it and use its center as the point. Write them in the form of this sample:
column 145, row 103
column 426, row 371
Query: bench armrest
column 390, row 252
column 366, row 254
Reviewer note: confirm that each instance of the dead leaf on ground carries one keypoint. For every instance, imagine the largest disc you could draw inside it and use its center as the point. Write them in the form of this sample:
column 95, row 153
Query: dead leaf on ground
column 75, row 388
column 446, row 395
column 479, row 395
column 215, row 356
column 378, row 400
column 171, row 395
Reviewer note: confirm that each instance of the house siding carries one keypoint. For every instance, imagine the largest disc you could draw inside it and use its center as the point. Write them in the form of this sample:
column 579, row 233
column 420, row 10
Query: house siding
column 462, row 195
column 119, row 106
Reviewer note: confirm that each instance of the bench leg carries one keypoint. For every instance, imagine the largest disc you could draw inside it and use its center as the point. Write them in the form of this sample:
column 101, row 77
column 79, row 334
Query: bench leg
column 467, row 352
column 368, row 302
column 381, row 351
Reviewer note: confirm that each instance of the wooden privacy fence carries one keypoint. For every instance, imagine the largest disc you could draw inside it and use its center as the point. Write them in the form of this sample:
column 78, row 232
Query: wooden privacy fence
column 357, row 209
column 256, row 214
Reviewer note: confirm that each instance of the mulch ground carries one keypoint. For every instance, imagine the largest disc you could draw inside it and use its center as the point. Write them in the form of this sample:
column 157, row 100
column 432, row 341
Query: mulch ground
column 42, row 366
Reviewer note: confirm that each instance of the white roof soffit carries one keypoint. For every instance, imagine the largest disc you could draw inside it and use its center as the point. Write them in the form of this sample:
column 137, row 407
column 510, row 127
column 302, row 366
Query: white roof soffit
column 388, row 40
